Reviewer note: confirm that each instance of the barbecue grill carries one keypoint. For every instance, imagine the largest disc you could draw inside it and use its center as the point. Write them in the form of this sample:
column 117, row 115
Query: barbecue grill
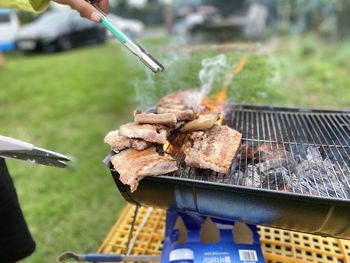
column 292, row 172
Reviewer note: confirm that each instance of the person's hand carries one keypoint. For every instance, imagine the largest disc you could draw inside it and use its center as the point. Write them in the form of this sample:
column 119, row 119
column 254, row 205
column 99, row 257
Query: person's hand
column 85, row 9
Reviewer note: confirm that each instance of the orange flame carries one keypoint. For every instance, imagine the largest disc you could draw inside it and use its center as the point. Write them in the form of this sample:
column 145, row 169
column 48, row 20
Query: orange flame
column 167, row 147
column 240, row 65
column 221, row 96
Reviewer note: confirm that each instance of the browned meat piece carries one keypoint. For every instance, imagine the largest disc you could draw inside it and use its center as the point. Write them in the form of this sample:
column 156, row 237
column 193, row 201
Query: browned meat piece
column 117, row 141
column 120, row 143
column 213, row 149
column 133, row 165
column 272, row 152
column 168, row 119
column 174, row 106
column 263, row 152
column 133, row 182
column 199, row 135
column 203, row 122
column 150, row 133
column 139, row 144
column 181, row 115
column 183, row 104
column 191, row 98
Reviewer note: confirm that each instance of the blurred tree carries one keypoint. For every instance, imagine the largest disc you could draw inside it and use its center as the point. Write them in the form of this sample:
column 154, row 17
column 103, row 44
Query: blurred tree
column 151, row 13
column 343, row 19
column 225, row 7
column 327, row 18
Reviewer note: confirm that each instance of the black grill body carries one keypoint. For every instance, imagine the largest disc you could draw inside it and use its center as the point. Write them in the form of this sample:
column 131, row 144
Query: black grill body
column 302, row 185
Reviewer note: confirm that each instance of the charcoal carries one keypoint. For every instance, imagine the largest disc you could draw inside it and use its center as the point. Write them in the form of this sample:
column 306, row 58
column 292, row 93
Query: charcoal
column 252, row 177
column 321, row 174
column 336, row 154
column 299, row 152
column 302, row 169
column 276, row 178
column 237, row 178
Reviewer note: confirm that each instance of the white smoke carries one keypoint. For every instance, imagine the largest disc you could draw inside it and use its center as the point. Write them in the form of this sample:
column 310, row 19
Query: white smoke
column 145, row 91
column 178, row 76
column 149, row 90
column 211, row 72
column 211, row 69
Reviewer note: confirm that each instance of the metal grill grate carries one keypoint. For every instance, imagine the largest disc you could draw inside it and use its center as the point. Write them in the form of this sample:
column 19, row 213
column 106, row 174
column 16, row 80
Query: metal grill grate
column 290, row 150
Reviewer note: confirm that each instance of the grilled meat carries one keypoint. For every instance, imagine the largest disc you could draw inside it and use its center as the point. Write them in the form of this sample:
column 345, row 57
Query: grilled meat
column 183, row 104
column 174, row 106
column 191, row 98
column 213, row 149
column 133, row 182
column 133, row 165
column 181, row 115
column 263, row 152
column 203, row 122
column 139, row 144
column 150, row 133
column 209, row 146
column 168, row 119
column 272, row 152
column 119, row 143
column 116, row 141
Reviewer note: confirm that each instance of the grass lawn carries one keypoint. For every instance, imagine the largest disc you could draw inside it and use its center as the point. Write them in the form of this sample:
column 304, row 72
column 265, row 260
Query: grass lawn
column 67, row 102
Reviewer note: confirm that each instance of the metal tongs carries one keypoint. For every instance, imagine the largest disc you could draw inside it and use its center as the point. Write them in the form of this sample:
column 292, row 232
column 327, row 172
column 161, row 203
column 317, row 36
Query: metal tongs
column 137, row 50
column 74, row 257
column 16, row 149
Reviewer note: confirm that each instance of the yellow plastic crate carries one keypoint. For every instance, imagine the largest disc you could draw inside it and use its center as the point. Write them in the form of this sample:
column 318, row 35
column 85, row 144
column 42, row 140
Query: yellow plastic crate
column 279, row 246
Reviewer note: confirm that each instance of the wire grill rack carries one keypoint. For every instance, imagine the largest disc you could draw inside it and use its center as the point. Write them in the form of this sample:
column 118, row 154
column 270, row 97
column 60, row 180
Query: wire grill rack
column 291, row 150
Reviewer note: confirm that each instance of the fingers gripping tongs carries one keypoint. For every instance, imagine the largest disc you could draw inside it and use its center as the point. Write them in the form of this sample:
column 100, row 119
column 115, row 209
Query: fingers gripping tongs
column 137, row 50
column 16, row 149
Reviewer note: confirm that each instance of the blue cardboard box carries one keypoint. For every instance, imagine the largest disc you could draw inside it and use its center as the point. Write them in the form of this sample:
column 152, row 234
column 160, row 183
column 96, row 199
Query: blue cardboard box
column 191, row 238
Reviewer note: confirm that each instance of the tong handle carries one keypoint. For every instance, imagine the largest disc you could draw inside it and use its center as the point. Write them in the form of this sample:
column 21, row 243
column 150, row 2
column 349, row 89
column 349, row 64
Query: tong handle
column 69, row 256
column 95, row 4
column 103, row 258
column 113, row 30
column 137, row 50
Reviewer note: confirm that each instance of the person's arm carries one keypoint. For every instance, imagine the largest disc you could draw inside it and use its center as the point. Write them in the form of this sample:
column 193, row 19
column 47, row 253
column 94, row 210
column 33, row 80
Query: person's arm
column 27, row 5
column 85, row 9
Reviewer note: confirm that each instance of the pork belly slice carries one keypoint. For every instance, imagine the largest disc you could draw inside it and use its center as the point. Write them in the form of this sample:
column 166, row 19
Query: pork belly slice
column 203, row 122
column 139, row 144
column 116, row 141
column 213, row 149
column 168, row 119
column 191, row 98
column 119, row 142
column 133, row 165
column 173, row 106
column 181, row 115
column 150, row 133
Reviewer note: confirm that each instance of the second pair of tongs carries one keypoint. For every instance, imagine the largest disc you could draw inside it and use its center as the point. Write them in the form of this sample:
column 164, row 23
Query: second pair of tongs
column 16, row 149
column 137, row 50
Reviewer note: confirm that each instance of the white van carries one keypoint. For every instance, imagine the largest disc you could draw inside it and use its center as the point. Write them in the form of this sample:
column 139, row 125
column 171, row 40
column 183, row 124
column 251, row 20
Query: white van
column 9, row 26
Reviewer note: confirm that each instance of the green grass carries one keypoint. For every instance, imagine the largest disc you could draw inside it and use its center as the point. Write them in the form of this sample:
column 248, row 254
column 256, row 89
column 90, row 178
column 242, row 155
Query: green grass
column 314, row 73
column 67, row 102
